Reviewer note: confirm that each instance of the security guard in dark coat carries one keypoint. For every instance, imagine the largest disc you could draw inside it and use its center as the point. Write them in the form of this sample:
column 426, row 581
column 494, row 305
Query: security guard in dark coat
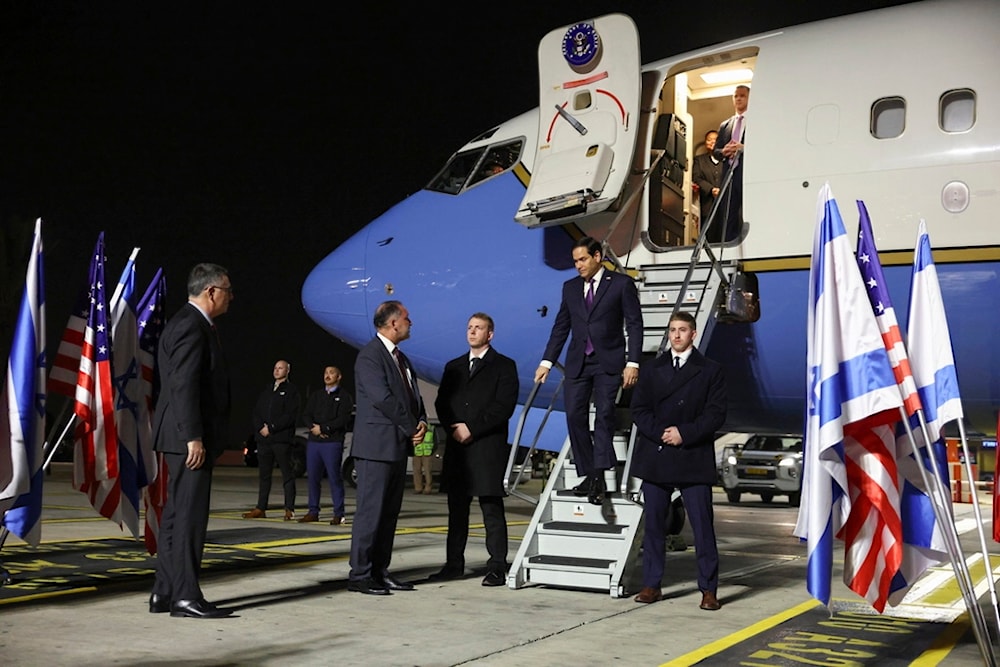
column 476, row 399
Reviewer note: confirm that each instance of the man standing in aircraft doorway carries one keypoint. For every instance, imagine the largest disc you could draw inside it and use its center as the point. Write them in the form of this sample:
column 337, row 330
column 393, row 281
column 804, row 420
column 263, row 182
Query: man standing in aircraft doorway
column 600, row 308
column 729, row 149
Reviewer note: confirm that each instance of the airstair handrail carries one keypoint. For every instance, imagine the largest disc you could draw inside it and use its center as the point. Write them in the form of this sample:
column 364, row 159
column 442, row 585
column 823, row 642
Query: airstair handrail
column 511, row 488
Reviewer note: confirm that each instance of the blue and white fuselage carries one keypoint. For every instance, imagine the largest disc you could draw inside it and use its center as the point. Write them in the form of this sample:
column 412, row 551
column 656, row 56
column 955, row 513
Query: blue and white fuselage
column 848, row 101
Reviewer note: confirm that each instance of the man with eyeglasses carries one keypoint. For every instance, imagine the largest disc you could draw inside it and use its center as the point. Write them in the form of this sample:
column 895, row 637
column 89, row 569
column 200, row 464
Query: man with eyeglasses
column 190, row 425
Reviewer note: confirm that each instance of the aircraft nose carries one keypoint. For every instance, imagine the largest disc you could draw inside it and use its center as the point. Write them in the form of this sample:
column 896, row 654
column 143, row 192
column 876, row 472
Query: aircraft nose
column 333, row 294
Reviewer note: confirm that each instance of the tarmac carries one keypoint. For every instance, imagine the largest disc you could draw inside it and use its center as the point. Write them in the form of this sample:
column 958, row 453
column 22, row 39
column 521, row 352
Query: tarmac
column 81, row 599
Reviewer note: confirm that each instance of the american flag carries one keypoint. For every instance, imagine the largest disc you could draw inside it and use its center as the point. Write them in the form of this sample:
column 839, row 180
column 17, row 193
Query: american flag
column 133, row 474
column 852, row 395
column 66, row 365
column 914, row 503
column 151, row 322
column 95, row 455
column 22, row 408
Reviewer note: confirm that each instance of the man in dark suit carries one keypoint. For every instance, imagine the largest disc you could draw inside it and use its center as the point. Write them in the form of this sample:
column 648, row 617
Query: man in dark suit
column 729, row 149
column 600, row 308
column 707, row 174
column 389, row 422
column 477, row 396
column 678, row 405
column 190, row 427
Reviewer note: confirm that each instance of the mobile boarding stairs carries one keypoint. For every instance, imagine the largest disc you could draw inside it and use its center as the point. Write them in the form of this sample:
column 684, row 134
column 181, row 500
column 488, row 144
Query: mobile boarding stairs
column 569, row 542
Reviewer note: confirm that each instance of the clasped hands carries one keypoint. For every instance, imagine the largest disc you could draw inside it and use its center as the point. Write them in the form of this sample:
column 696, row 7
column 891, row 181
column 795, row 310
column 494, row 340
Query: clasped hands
column 671, row 436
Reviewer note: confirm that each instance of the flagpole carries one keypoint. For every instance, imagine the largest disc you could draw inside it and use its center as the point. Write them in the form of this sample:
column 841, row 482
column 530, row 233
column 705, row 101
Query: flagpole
column 979, row 525
column 943, row 511
column 113, row 302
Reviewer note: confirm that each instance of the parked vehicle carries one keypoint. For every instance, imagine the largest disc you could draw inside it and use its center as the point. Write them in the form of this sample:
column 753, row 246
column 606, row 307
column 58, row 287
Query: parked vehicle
column 769, row 465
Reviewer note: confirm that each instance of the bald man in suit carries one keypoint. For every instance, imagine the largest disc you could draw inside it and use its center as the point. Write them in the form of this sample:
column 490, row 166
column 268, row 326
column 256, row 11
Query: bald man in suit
column 390, row 420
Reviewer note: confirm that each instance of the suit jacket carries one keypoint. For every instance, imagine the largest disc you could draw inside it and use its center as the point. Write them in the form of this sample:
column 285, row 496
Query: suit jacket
column 384, row 425
column 485, row 402
column 194, row 386
column 615, row 312
column 694, row 400
column 707, row 174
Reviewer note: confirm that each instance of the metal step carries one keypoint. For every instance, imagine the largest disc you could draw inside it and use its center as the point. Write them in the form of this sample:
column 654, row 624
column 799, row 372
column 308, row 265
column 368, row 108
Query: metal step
column 661, row 288
column 572, row 543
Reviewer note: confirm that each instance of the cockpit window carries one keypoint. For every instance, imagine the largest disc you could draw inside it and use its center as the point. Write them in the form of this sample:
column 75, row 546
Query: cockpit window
column 452, row 178
column 470, row 167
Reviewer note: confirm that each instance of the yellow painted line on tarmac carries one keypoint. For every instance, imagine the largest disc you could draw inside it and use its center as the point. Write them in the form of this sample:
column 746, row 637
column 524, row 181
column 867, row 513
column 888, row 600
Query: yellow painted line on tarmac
column 944, row 643
column 742, row 635
column 949, row 593
column 48, row 596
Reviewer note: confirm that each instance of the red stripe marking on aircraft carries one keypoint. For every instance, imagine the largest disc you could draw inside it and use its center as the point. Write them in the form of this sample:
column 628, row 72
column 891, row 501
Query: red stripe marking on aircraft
column 555, row 117
column 584, row 82
column 621, row 107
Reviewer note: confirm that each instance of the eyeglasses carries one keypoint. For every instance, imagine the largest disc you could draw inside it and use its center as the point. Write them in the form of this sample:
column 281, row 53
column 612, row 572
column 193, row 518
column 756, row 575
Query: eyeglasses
column 228, row 289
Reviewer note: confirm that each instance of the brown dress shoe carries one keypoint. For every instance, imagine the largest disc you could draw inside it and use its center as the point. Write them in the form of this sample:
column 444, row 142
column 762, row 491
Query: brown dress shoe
column 309, row 518
column 289, row 515
column 648, row 595
column 338, row 521
column 709, row 602
column 255, row 513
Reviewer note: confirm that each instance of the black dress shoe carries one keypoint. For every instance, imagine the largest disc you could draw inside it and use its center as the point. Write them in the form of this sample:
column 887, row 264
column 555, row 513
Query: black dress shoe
column 394, row 584
column 158, row 604
column 447, row 573
column 197, row 609
column 368, row 586
column 584, row 487
column 494, row 578
column 598, row 490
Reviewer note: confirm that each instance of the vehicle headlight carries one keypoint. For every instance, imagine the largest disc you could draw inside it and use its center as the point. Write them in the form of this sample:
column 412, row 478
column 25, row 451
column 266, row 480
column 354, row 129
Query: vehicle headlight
column 731, row 460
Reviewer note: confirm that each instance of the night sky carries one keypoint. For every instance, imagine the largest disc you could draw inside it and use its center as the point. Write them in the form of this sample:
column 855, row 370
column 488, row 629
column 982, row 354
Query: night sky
column 261, row 135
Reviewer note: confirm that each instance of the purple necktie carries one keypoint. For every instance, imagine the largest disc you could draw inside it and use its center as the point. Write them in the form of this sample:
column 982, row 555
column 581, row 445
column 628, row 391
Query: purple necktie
column 589, row 300
column 737, row 137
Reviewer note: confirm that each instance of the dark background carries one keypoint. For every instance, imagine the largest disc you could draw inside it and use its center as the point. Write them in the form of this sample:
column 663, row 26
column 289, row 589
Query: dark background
column 260, row 136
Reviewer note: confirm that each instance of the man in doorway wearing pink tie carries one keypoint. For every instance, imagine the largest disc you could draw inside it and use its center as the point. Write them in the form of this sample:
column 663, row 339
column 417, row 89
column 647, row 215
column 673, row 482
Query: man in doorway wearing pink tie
column 729, row 149
column 390, row 420
column 600, row 308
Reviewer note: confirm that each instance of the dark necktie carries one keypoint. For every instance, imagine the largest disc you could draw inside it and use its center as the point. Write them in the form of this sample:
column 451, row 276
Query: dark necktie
column 589, row 300
column 677, row 364
column 474, row 367
column 401, row 363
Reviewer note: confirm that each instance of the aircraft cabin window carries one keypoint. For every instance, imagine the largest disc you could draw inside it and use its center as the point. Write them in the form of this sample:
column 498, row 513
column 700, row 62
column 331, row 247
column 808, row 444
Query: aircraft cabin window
column 957, row 110
column 888, row 117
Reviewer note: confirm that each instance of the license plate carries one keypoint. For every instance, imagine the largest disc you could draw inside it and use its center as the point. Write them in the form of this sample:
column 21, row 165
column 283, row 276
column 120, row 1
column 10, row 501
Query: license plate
column 757, row 472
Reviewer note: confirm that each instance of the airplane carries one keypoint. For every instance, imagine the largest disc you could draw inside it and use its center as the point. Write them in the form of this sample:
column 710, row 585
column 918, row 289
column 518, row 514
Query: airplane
column 894, row 107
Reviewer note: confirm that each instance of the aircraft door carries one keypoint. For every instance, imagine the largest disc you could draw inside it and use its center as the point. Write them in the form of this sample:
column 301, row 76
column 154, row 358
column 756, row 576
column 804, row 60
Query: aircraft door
column 589, row 79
